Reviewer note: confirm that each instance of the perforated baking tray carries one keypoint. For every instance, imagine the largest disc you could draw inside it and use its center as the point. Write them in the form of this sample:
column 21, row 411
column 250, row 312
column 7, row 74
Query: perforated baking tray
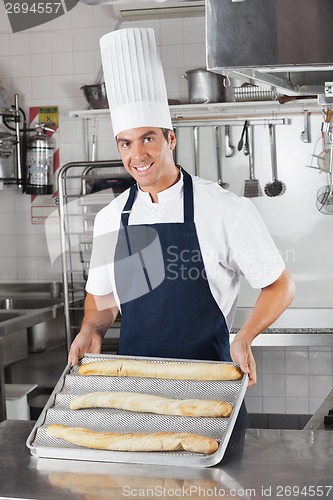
column 70, row 384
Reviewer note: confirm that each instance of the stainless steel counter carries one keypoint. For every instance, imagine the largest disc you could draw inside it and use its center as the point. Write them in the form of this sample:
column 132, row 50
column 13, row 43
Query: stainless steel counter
column 258, row 464
column 292, row 337
column 297, row 326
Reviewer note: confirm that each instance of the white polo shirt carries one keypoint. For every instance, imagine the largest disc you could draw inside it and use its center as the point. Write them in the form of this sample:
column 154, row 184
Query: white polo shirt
column 233, row 239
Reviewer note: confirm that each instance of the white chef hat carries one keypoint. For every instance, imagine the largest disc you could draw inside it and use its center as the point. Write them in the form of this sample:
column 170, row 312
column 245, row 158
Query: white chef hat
column 134, row 80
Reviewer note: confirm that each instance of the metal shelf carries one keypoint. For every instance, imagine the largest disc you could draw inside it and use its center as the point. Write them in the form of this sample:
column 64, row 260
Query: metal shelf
column 77, row 211
column 215, row 110
column 258, row 113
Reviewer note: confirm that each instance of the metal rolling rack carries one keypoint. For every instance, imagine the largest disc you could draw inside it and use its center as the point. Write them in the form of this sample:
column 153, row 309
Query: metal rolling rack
column 84, row 188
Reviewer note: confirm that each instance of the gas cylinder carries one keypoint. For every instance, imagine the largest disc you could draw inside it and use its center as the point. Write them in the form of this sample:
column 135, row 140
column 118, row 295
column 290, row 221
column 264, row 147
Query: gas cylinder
column 39, row 163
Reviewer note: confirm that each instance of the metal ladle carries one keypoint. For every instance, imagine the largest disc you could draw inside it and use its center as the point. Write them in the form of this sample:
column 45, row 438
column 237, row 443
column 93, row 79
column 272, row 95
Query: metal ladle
column 196, row 149
column 218, row 157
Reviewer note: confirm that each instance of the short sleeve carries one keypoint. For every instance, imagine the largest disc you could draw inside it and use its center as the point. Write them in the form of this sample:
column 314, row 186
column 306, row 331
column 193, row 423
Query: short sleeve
column 100, row 276
column 252, row 248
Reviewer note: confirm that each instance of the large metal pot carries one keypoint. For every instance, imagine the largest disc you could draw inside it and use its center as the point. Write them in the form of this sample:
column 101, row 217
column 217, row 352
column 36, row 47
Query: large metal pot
column 204, row 86
column 96, row 95
column 7, row 156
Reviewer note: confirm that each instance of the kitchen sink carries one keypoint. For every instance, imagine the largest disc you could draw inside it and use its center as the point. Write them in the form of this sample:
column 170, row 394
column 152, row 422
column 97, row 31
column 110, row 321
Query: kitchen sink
column 30, row 307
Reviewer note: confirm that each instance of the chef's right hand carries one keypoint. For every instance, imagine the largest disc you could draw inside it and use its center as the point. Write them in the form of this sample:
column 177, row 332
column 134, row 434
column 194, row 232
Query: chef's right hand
column 99, row 314
column 87, row 340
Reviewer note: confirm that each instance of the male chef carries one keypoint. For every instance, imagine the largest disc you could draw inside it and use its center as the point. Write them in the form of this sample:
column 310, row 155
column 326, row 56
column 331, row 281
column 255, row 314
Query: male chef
column 179, row 244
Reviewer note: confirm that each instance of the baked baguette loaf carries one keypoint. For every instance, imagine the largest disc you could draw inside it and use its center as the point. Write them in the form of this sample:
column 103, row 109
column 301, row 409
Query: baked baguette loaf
column 168, row 370
column 148, row 403
column 159, row 441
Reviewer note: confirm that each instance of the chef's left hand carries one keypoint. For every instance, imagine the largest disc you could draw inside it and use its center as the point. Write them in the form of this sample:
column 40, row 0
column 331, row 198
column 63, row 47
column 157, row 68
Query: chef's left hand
column 241, row 353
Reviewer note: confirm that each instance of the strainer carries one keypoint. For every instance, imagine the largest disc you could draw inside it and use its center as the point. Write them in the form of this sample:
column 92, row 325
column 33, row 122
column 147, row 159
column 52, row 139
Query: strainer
column 276, row 187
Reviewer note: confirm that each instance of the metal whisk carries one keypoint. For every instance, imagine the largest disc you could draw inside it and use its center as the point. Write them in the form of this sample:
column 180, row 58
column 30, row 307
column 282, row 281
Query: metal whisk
column 325, row 194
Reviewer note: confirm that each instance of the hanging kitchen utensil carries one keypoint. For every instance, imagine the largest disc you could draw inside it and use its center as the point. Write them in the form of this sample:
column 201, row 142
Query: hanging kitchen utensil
column 93, row 148
column 252, row 187
column 94, row 141
column 196, row 149
column 218, row 157
column 325, row 199
column 229, row 149
column 276, row 187
column 326, row 126
column 246, row 148
column 305, row 134
column 322, row 158
column 325, row 194
column 241, row 140
column 323, row 161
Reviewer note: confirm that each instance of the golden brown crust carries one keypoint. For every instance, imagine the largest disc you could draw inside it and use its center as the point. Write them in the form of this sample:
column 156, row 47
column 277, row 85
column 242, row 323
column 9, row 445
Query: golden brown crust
column 158, row 441
column 149, row 403
column 168, row 370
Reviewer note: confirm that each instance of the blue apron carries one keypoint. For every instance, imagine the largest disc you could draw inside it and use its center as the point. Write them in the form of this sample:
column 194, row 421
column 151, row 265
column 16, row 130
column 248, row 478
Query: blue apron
column 179, row 318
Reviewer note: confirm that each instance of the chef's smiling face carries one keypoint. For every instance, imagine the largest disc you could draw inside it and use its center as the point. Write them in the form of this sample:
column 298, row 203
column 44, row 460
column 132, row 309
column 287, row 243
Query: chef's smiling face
column 147, row 156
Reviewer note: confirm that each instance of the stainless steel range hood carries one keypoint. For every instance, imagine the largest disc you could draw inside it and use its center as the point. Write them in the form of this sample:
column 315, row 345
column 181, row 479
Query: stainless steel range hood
column 281, row 44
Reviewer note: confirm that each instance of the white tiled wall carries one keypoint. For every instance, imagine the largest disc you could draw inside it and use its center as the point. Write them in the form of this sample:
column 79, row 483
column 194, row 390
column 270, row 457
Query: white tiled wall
column 47, row 65
column 23, row 250
column 292, row 380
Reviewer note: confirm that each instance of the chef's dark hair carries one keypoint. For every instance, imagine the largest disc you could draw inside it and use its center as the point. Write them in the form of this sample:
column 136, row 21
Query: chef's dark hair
column 165, row 132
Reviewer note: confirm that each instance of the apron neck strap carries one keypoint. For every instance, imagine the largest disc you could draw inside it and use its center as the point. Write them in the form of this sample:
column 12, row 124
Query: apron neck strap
column 128, row 205
column 188, row 200
column 188, row 197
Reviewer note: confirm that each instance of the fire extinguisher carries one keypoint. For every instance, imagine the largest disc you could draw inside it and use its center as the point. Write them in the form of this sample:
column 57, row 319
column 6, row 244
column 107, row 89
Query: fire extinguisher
column 39, row 162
